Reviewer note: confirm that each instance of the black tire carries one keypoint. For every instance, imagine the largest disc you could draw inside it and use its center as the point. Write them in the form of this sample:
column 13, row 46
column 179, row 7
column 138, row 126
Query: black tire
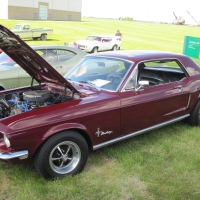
column 43, row 37
column 35, row 38
column 1, row 88
column 114, row 48
column 95, row 50
column 64, row 154
column 194, row 118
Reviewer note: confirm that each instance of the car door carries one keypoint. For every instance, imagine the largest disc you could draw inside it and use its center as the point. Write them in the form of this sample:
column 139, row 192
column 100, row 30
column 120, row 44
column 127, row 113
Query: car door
column 111, row 43
column 107, row 45
column 152, row 105
column 26, row 32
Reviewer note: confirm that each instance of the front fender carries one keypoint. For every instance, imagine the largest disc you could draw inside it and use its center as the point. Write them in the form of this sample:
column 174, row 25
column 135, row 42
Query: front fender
column 56, row 129
column 63, row 127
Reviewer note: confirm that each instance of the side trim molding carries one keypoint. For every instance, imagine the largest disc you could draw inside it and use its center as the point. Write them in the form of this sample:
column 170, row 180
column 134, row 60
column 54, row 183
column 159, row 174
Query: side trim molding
column 139, row 132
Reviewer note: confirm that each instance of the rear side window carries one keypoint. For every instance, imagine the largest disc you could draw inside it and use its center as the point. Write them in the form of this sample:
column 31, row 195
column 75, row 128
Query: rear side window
column 64, row 55
column 161, row 71
column 157, row 72
column 55, row 55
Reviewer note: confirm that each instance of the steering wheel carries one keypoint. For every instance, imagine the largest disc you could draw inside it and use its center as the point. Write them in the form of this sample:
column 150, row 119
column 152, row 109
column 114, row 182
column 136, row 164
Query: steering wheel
column 114, row 77
column 152, row 80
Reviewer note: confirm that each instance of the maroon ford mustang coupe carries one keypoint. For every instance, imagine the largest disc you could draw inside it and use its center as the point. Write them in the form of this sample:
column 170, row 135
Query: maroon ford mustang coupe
column 107, row 97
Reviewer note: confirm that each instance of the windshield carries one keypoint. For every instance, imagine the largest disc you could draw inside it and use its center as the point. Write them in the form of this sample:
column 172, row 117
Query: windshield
column 17, row 27
column 104, row 73
column 93, row 38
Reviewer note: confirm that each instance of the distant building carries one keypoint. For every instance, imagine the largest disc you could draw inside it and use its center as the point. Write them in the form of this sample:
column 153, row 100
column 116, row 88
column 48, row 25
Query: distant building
column 68, row 10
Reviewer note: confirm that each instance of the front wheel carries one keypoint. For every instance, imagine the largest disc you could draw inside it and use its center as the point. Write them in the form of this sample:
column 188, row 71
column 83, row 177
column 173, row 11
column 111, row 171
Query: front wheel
column 95, row 50
column 194, row 118
column 64, row 154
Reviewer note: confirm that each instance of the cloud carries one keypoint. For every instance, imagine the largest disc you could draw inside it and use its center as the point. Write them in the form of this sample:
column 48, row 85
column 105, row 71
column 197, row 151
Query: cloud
column 146, row 10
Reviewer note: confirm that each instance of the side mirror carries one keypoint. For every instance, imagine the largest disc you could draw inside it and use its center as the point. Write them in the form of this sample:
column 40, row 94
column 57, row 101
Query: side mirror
column 142, row 84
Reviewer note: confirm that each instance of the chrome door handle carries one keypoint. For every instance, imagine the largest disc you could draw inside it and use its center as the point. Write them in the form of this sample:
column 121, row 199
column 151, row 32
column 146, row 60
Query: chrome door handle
column 178, row 87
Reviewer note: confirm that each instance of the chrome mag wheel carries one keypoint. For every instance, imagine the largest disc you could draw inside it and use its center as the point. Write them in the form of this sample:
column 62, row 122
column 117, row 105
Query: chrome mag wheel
column 64, row 157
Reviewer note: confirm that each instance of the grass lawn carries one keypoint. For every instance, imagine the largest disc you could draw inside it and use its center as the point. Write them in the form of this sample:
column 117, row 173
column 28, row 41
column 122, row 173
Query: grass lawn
column 161, row 164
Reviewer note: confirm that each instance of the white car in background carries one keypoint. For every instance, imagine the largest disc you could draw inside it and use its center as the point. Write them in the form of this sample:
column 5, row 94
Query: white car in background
column 96, row 43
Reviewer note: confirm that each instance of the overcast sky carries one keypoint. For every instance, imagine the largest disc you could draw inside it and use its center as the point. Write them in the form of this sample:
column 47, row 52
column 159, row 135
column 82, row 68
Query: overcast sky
column 145, row 10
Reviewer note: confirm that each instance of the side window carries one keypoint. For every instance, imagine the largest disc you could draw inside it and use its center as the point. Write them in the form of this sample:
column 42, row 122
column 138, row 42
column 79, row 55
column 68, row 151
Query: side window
column 26, row 27
column 64, row 55
column 160, row 72
column 41, row 53
column 50, row 55
column 109, row 39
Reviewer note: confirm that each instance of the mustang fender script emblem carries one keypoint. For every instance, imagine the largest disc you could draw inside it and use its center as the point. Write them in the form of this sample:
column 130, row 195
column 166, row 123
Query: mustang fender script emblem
column 99, row 133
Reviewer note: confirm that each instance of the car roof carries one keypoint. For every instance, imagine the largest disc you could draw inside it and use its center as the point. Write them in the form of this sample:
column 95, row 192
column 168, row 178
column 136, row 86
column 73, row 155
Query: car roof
column 49, row 46
column 97, row 35
column 23, row 24
column 138, row 55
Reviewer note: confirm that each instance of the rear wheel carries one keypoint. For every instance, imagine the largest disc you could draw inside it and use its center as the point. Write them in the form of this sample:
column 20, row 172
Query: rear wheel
column 194, row 118
column 114, row 48
column 64, row 154
column 43, row 37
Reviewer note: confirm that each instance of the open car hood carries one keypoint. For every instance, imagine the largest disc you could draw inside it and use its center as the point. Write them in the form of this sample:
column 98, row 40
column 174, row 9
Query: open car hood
column 29, row 60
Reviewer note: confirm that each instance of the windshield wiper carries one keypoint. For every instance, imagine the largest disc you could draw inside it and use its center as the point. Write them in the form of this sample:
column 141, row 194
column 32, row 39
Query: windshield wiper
column 90, row 83
column 87, row 82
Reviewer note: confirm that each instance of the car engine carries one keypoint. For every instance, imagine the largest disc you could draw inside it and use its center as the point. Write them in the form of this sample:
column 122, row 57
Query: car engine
column 16, row 103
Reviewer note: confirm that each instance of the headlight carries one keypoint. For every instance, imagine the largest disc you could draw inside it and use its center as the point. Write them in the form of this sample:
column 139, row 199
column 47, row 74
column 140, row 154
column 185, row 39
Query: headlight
column 6, row 140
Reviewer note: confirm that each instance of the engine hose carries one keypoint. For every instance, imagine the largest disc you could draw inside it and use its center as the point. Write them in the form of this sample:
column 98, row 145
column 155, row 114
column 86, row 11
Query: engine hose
column 4, row 104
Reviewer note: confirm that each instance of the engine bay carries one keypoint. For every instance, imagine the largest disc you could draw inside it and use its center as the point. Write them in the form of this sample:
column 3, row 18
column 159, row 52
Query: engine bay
column 23, row 101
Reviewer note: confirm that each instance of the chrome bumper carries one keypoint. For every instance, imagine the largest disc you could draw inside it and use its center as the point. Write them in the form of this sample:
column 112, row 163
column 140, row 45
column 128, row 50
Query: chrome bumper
column 20, row 154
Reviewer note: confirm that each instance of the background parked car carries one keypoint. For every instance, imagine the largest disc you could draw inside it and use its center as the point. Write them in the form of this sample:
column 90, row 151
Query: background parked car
column 25, row 31
column 62, row 58
column 5, row 59
column 95, row 43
